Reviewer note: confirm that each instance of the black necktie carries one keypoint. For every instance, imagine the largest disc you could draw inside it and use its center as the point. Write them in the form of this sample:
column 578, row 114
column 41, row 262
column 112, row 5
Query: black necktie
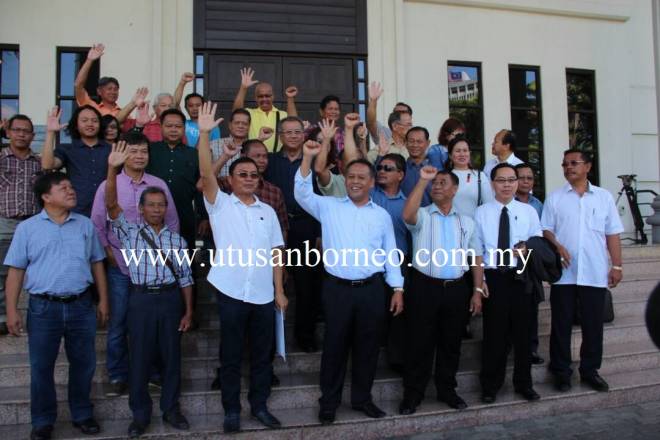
column 503, row 240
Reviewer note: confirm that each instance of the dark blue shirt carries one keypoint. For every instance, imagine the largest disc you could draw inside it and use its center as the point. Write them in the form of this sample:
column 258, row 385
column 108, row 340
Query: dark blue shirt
column 281, row 172
column 394, row 207
column 87, row 168
column 412, row 177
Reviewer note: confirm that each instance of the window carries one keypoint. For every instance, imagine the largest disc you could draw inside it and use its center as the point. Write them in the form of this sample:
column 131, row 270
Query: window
column 466, row 104
column 362, row 94
column 526, row 119
column 9, row 81
column 582, row 121
column 69, row 61
column 199, row 74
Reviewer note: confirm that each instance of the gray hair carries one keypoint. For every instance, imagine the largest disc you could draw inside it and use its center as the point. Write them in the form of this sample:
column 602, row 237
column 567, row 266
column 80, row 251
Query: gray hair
column 161, row 96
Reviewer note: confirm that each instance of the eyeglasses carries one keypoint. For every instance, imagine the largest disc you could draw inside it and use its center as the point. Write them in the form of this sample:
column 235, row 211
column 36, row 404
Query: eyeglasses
column 21, row 130
column 245, row 175
column 502, row 180
column 526, row 178
column 386, row 168
column 571, row 163
column 292, row 132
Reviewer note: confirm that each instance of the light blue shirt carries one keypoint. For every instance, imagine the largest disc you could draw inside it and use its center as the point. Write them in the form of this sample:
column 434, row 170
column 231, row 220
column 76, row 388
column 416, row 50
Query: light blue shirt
column 534, row 203
column 192, row 133
column 56, row 258
column 345, row 226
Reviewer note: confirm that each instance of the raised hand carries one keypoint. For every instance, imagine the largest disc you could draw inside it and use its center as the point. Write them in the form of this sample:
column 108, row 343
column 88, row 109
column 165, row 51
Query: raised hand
column 143, row 115
column 291, row 91
column 306, row 125
column 246, row 77
column 206, row 120
column 328, row 129
column 231, row 149
column 118, row 155
column 53, row 120
column 265, row 133
column 311, row 148
column 375, row 91
column 187, row 77
column 383, row 146
column 139, row 96
column 351, row 120
column 428, row 172
column 95, row 52
column 362, row 131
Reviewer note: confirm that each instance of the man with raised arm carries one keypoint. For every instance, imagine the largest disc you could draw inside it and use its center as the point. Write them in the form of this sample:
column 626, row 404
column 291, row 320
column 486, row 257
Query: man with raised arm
column 246, row 295
column 265, row 114
column 352, row 294
column 377, row 130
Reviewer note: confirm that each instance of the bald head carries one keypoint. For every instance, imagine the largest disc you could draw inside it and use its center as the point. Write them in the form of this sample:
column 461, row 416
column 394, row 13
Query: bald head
column 263, row 94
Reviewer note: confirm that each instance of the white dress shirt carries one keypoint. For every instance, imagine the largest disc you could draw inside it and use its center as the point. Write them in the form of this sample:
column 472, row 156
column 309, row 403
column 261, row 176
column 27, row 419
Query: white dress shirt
column 523, row 223
column 580, row 224
column 492, row 163
column 347, row 226
column 251, row 229
column 467, row 197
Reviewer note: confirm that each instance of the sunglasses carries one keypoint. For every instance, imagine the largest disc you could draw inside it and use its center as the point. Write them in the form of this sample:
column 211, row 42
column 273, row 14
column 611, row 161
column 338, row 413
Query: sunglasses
column 571, row 163
column 386, row 168
column 245, row 175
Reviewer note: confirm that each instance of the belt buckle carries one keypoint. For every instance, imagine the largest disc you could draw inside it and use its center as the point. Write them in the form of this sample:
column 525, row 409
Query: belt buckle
column 153, row 290
column 357, row 283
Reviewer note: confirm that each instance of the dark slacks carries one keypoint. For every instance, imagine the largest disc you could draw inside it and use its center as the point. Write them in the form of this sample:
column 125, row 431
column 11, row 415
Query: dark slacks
column 238, row 318
column 562, row 302
column 354, row 319
column 154, row 337
column 506, row 319
column 534, row 327
column 435, row 318
column 307, row 279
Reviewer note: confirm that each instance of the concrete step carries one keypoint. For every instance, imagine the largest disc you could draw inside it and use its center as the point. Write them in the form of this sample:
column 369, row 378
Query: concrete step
column 301, row 422
column 631, row 252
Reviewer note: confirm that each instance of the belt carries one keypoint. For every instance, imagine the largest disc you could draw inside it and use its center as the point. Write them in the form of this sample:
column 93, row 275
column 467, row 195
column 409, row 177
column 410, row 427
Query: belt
column 444, row 282
column 356, row 283
column 153, row 290
column 57, row 298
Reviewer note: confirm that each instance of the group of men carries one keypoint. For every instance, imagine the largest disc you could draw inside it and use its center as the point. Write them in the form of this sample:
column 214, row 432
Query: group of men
column 259, row 190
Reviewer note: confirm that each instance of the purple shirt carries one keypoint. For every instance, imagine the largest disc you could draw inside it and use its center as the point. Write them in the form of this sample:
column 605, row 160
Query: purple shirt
column 128, row 197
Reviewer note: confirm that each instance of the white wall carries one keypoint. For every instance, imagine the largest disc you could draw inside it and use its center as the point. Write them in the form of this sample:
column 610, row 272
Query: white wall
column 148, row 42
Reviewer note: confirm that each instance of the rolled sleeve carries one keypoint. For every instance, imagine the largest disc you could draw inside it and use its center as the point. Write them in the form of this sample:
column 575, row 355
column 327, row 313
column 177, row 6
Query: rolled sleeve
column 613, row 223
column 422, row 218
column 97, row 252
column 17, row 255
column 548, row 216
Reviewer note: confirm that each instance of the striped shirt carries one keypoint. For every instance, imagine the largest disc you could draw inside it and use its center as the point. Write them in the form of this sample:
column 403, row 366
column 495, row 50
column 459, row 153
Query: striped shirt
column 16, row 179
column 436, row 231
column 145, row 270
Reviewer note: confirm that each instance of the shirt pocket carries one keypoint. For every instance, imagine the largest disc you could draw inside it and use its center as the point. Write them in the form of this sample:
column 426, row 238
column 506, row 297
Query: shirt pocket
column 597, row 221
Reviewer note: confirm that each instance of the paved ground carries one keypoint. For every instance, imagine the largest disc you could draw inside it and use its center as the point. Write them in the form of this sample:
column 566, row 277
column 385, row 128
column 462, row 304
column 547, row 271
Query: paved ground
column 634, row 422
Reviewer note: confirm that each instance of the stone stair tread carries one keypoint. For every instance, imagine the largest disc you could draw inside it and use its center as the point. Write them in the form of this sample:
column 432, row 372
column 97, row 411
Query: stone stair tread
column 210, row 425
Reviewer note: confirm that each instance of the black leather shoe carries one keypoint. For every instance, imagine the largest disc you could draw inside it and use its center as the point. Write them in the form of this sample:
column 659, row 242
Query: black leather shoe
column 308, row 346
column 370, row 410
column 528, row 394
column 274, row 380
column 4, row 330
column 562, row 385
column 407, row 407
column 453, row 400
column 136, row 429
column 488, row 398
column 232, row 423
column 596, row 382
column 536, row 359
column 267, row 419
column 88, row 427
column 116, row 389
column 215, row 385
column 41, row 433
column 326, row 416
column 176, row 420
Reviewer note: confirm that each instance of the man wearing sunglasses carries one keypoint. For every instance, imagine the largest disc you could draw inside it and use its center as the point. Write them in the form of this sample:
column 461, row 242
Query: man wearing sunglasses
column 582, row 221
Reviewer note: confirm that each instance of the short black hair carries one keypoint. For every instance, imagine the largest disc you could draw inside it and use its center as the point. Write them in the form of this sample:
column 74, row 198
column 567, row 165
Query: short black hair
column 509, row 139
column 291, row 119
column 240, row 111
column 587, row 156
column 72, row 128
column 247, row 146
column 172, row 111
column 398, row 160
column 189, row 96
column 372, row 170
column 418, row 128
column 395, row 117
column 240, row 160
column 403, row 104
column 500, row 166
column 19, row 117
column 452, row 176
column 45, row 182
column 105, row 80
column 106, row 120
column 135, row 138
column 327, row 100
column 520, row 166
column 449, row 165
column 151, row 190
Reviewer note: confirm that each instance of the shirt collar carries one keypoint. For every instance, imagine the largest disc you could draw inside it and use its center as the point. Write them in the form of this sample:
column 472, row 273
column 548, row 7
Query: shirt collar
column 143, row 225
column 44, row 216
column 500, row 205
column 80, row 144
column 569, row 188
column 237, row 201
column 433, row 209
column 125, row 176
column 272, row 110
column 113, row 108
column 347, row 199
column 7, row 151
column 398, row 195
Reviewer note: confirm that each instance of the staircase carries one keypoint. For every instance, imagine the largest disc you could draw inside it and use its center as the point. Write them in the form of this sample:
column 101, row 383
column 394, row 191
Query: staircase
column 630, row 364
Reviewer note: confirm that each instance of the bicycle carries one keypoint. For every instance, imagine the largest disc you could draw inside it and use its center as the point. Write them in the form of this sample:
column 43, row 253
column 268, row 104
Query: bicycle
column 630, row 188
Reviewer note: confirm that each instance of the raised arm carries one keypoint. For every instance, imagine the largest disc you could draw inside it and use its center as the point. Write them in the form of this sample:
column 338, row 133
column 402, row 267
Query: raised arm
column 206, row 122
column 351, row 152
column 136, row 101
column 303, row 190
column 414, row 200
column 178, row 92
column 375, row 91
column 246, row 82
column 229, row 150
column 328, row 130
column 94, row 54
column 116, row 159
column 48, row 159
column 291, row 93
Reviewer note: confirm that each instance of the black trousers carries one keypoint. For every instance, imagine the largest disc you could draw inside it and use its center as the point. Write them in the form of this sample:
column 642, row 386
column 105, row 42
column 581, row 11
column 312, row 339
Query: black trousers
column 435, row 319
column 307, row 279
column 354, row 319
column 506, row 319
column 534, row 327
column 236, row 319
column 562, row 302
column 154, row 338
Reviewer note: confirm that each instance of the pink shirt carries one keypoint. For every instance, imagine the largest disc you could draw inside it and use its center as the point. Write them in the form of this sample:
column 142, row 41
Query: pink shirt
column 128, row 195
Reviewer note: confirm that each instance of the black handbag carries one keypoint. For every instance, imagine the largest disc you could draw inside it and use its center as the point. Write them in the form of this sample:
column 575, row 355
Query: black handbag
column 608, row 312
